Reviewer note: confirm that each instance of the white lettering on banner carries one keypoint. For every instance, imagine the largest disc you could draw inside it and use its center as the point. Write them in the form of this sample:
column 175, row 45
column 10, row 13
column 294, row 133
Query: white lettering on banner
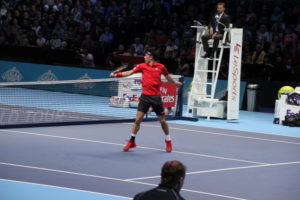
column 168, row 99
column 168, row 94
column 164, row 90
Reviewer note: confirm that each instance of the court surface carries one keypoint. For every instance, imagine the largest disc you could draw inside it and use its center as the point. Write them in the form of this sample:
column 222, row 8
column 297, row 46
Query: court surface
column 87, row 162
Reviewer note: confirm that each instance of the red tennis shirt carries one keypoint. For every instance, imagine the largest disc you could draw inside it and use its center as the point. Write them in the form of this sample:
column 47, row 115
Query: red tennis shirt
column 151, row 80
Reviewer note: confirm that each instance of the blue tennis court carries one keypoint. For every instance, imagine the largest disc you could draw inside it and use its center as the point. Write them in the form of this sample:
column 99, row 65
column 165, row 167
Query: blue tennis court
column 87, row 162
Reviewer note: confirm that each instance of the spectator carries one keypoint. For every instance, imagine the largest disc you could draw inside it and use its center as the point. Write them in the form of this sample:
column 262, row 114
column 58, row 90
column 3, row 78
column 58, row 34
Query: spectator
column 172, row 48
column 87, row 59
column 87, row 43
column 36, row 27
column 113, row 61
column 72, row 21
column 262, row 35
column 55, row 42
column 138, row 46
column 258, row 55
column 106, row 39
column 290, row 38
column 41, row 41
column 183, row 67
column 172, row 179
column 3, row 10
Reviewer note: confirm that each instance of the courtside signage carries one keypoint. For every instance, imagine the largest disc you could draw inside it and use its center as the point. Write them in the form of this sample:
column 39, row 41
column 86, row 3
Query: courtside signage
column 168, row 94
column 234, row 74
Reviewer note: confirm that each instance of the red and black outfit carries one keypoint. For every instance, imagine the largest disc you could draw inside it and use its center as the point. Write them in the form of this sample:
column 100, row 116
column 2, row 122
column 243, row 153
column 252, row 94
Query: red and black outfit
column 151, row 82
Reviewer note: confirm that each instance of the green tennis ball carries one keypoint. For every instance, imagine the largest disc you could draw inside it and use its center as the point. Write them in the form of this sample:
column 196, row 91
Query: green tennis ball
column 284, row 90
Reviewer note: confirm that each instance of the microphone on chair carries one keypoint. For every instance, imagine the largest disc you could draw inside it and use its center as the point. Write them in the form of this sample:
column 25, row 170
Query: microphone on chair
column 218, row 21
column 197, row 23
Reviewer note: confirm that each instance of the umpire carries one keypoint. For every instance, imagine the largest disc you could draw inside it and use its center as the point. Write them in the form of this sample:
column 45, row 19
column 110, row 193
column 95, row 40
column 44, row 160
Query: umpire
column 219, row 22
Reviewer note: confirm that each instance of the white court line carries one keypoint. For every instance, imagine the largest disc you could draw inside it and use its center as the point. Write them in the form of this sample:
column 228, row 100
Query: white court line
column 223, row 134
column 110, row 178
column 149, row 148
column 224, row 169
column 65, row 188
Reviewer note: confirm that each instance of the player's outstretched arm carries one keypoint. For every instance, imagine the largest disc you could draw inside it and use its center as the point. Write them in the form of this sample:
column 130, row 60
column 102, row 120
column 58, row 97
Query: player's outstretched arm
column 170, row 79
column 121, row 74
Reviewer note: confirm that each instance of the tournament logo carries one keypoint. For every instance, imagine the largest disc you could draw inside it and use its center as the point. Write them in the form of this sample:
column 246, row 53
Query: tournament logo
column 48, row 76
column 85, row 86
column 12, row 75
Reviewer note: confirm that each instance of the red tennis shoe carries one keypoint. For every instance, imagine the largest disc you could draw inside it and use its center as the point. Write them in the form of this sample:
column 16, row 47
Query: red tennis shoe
column 129, row 145
column 168, row 145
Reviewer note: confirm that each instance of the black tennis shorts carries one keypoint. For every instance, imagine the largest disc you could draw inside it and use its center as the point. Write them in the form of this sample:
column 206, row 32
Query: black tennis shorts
column 151, row 100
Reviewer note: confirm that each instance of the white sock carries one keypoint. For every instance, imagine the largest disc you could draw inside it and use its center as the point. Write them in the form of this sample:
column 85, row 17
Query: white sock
column 133, row 135
column 168, row 137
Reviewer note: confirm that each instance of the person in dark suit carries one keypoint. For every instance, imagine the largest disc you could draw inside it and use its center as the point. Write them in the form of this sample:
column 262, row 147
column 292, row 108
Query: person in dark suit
column 172, row 179
column 219, row 22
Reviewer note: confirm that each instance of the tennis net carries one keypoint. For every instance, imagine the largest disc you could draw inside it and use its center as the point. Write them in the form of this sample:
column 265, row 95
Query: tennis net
column 78, row 101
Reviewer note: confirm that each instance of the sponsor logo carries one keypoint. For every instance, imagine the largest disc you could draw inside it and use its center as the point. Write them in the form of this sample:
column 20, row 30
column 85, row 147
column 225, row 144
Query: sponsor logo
column 119, row 101
column 235, row 72
column 168, row 94
column 132, row 85
column 290, row 112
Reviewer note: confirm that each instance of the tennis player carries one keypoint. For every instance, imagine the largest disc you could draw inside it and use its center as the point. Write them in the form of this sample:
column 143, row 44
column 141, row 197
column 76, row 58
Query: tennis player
column 151, row 96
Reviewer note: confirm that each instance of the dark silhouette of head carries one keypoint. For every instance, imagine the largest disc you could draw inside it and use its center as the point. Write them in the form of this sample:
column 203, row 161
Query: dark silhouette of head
column 173, row 174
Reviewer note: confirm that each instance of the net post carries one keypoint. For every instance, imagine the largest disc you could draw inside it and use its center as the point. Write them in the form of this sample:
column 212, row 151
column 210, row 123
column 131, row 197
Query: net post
column 179, row 107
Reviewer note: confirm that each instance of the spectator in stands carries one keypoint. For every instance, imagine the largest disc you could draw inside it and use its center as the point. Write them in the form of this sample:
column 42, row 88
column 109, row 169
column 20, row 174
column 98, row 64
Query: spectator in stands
column 106, row 37
column 87, row 59
column 183, row 67
column 138, row 46
column 55, row 42
column 262, row 35
column 87, row 43
column 171, row 48
column 3, row 10
column 36, row 27
column 290, row 38
column 41, row 41
column 130, row 51
column 121, row 49
column 73, row 20
column 258, row 55
column 113, row 61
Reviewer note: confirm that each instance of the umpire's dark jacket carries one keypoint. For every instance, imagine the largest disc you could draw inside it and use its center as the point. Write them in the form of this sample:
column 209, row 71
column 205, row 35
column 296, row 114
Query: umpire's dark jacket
column 223, row 19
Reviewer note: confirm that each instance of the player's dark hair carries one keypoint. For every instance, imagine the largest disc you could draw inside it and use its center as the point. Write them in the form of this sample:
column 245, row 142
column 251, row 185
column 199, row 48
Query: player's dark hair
column 151, row 53
column 171, row 172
